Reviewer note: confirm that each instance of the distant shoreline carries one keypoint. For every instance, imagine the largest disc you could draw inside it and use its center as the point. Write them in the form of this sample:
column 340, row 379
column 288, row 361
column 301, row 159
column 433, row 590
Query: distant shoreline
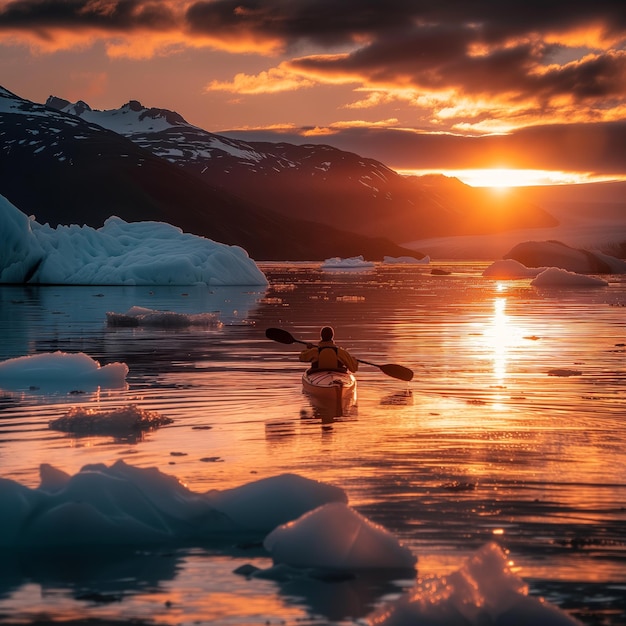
column 601, row 226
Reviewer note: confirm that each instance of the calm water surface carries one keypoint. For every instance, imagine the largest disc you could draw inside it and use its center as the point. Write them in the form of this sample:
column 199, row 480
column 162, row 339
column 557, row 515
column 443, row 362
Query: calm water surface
column 513, row 430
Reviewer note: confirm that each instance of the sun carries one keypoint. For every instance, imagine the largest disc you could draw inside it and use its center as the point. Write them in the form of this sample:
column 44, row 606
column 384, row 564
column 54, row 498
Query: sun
column 503, row 178
column 500, row 177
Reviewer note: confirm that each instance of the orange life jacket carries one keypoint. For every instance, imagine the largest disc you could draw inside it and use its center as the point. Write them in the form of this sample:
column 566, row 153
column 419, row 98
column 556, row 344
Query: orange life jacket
column 327, row 359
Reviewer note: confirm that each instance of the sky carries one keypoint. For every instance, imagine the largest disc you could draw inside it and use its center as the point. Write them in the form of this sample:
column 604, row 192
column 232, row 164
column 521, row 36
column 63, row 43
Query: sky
column 445, row 86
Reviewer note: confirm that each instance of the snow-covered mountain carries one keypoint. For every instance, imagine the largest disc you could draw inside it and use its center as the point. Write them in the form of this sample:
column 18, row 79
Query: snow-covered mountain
column 317, row 182
column 68, row 170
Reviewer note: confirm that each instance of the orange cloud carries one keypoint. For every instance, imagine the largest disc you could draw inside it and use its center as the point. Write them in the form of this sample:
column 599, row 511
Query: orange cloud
column 389, row 123
column 474, row 67
column 274, row 80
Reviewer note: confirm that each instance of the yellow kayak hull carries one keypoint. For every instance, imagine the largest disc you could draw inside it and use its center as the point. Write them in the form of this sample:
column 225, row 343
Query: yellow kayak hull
column 330, row 390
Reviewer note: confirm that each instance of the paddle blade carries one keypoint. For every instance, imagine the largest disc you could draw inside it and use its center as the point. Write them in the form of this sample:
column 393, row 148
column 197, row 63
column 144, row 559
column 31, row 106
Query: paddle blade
column 397, row 371
column 280, row 335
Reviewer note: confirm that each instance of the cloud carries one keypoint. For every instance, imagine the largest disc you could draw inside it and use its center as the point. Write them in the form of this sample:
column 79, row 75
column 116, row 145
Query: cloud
column 285, row 23
column 469, row 67
column 437, row 63
column 43, row 17
column 508, row 66
column 274, row 80
column 51, row 25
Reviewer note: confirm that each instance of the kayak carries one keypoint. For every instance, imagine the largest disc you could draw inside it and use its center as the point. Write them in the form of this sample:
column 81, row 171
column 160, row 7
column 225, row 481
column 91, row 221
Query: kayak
column 331, row 390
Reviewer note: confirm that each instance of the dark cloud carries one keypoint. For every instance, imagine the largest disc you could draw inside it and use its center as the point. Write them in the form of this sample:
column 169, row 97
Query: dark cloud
column 437, row 60
column 326, row 21
column 518, row 61
column 110, row 15
column 474, row 47
column 477, row 48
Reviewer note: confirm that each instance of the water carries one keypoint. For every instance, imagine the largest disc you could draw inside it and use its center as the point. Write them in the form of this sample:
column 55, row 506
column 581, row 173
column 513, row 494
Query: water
column 513, row 430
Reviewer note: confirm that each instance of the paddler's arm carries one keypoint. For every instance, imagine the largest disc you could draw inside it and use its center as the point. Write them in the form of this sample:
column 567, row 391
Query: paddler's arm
column 347, row 359
column 310, row 354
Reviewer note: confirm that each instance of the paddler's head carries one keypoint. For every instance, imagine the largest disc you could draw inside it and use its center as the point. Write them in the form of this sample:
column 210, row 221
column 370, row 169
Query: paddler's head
column 327, row 333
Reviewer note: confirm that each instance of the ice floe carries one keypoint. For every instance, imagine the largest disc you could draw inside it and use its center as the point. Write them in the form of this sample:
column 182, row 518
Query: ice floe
column 142, row 316
column 118, row 253
column 354, row 262
column 60, row 370
column 555, row 277
column 311, row 534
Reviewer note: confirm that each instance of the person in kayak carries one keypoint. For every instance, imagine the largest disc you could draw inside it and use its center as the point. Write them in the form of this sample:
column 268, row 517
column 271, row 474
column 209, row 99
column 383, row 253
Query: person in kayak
column 326, row 355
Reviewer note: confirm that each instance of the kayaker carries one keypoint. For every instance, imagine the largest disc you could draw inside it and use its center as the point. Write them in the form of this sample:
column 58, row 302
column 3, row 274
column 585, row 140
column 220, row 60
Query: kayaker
column 326, row 355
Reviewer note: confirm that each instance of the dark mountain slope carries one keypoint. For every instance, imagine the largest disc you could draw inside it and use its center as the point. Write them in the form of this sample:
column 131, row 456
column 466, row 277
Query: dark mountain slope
column 319, row 182
column 64, row 170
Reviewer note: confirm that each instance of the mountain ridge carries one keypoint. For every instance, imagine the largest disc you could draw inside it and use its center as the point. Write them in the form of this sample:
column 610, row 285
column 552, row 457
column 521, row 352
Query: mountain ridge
column 66, row 170
column 319, row 182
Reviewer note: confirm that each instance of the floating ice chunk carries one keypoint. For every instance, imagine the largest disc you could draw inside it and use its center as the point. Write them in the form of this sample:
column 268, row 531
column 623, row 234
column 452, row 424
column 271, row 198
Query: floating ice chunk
column 98, row 510
column 52, row 478
column 122, row 505
column 118, row 253
column 60, row 370
column 510, row 268
column 555, row 277
column 558, row 254
column 410, row 260
column 17, row 503
column 20, row 252
column 564, row 372
column 335, row 536
column 483, row 591
column 354, row 262
column 269, row 502
column 141, row 316
column 128, row 420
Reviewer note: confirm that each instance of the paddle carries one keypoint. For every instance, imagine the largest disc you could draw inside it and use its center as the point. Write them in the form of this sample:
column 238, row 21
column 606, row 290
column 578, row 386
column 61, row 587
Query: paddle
column 395, row 371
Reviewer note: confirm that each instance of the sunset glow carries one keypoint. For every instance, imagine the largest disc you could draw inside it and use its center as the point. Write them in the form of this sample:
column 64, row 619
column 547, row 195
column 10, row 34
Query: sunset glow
column 503, row 178
column 538, row 100
column 312, row 312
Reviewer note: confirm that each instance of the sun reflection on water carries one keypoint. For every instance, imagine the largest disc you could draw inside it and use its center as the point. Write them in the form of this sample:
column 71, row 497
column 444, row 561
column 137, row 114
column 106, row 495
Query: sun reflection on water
column 498, row 340
column 481, row 445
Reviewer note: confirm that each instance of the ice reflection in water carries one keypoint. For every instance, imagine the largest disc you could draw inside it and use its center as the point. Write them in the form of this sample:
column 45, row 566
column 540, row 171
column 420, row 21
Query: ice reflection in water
column 483, row 444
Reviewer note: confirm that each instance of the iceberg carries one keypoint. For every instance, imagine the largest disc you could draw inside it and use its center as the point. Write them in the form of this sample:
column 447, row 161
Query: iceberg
column 353, row 262
column 118, row 253
column 336, row 537
column 60, row 371
column 483, row 590
column 125, row 422
column 105, row 512
column 542, row 276
column 557, row 254
column 143, row 316
column 555, row 277
column 122, row 505
column 406, row 260
column 510, row 269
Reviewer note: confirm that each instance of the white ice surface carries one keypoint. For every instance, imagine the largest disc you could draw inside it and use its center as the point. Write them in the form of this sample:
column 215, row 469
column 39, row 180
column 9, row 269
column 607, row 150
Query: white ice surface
column 409, row 260
column 335, row 536
column 555, row 277
column 309, row 523
column 354, row 262
column 118, row 253
column 60, row 371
